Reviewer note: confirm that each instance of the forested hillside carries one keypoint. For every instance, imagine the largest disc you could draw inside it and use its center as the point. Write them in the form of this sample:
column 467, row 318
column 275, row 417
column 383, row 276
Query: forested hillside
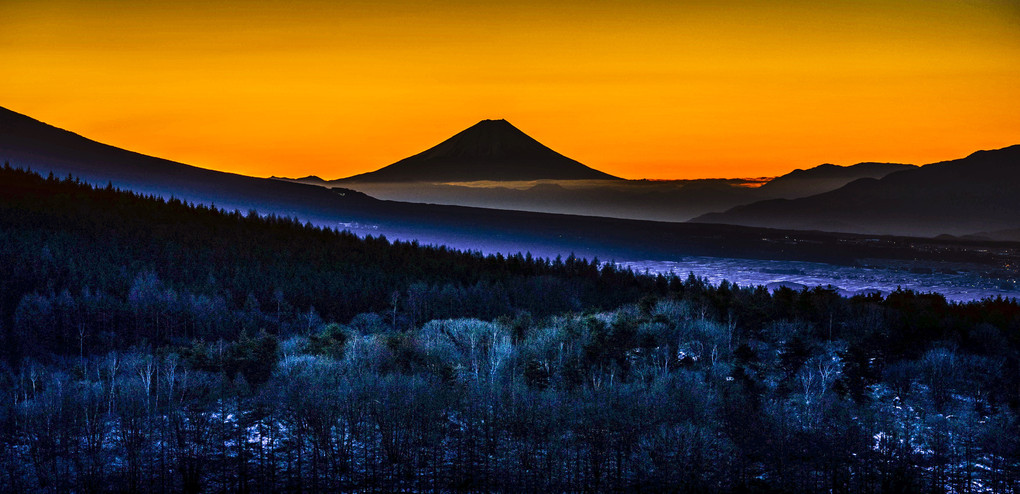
column 127, row 269
column 151, row 345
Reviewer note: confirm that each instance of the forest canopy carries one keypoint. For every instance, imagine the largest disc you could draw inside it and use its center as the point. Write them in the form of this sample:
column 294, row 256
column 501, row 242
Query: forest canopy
column 154, row 345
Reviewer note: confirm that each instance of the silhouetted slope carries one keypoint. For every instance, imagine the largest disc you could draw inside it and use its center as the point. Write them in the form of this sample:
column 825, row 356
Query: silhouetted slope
column 26, row 142
column 978, row 193
column 1008, row 235
column 823, row 178
column 311, row 180
column 488, row 150
column 632, row 199
column 656, row 200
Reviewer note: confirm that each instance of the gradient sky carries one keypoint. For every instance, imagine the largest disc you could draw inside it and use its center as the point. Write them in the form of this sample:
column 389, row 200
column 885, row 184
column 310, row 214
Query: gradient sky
column 638, row 89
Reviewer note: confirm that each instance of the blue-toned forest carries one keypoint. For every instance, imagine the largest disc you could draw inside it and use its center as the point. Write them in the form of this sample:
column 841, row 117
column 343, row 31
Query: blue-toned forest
column 153, row 345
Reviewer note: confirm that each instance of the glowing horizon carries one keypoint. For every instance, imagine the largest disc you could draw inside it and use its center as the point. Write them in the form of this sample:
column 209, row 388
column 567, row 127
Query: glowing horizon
column 655, row 90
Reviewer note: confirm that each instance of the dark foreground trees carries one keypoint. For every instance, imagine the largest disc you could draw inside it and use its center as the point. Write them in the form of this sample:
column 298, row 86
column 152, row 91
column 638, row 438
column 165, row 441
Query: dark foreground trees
column 455, row 406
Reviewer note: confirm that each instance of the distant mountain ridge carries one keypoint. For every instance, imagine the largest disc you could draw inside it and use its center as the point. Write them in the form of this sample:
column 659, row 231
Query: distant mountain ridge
column 310, row 179
column 825, row 177
column 979, row 193
column 671, row 200
column 962, row 197
column 489, row 150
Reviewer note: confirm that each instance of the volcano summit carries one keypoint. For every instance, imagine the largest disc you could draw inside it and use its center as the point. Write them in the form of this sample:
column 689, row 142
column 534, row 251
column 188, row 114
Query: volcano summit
column 489, row 150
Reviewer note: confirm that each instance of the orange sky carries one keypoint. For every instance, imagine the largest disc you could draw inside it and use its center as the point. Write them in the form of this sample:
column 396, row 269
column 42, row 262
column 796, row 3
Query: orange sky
column 637, row 89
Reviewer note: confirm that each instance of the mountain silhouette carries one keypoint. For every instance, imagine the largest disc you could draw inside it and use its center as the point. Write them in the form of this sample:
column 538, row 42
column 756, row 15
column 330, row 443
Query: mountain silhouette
column 658, row 200
column 979, row 193
column 26, row 142
column 310, row 179
column 44, row 148
column 489, row 150
column 823, row 178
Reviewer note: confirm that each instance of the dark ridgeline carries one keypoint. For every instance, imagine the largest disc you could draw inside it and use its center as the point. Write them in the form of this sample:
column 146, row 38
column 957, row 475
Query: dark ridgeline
column 152, row 346
column 657, row 200
column 489, row 150
column 823, row 178
column 27, row 142
column 310, row 179
column 979, row 193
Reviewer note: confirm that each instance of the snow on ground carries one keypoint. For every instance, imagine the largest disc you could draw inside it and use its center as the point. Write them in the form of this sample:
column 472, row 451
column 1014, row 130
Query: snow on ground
column 849, row 280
